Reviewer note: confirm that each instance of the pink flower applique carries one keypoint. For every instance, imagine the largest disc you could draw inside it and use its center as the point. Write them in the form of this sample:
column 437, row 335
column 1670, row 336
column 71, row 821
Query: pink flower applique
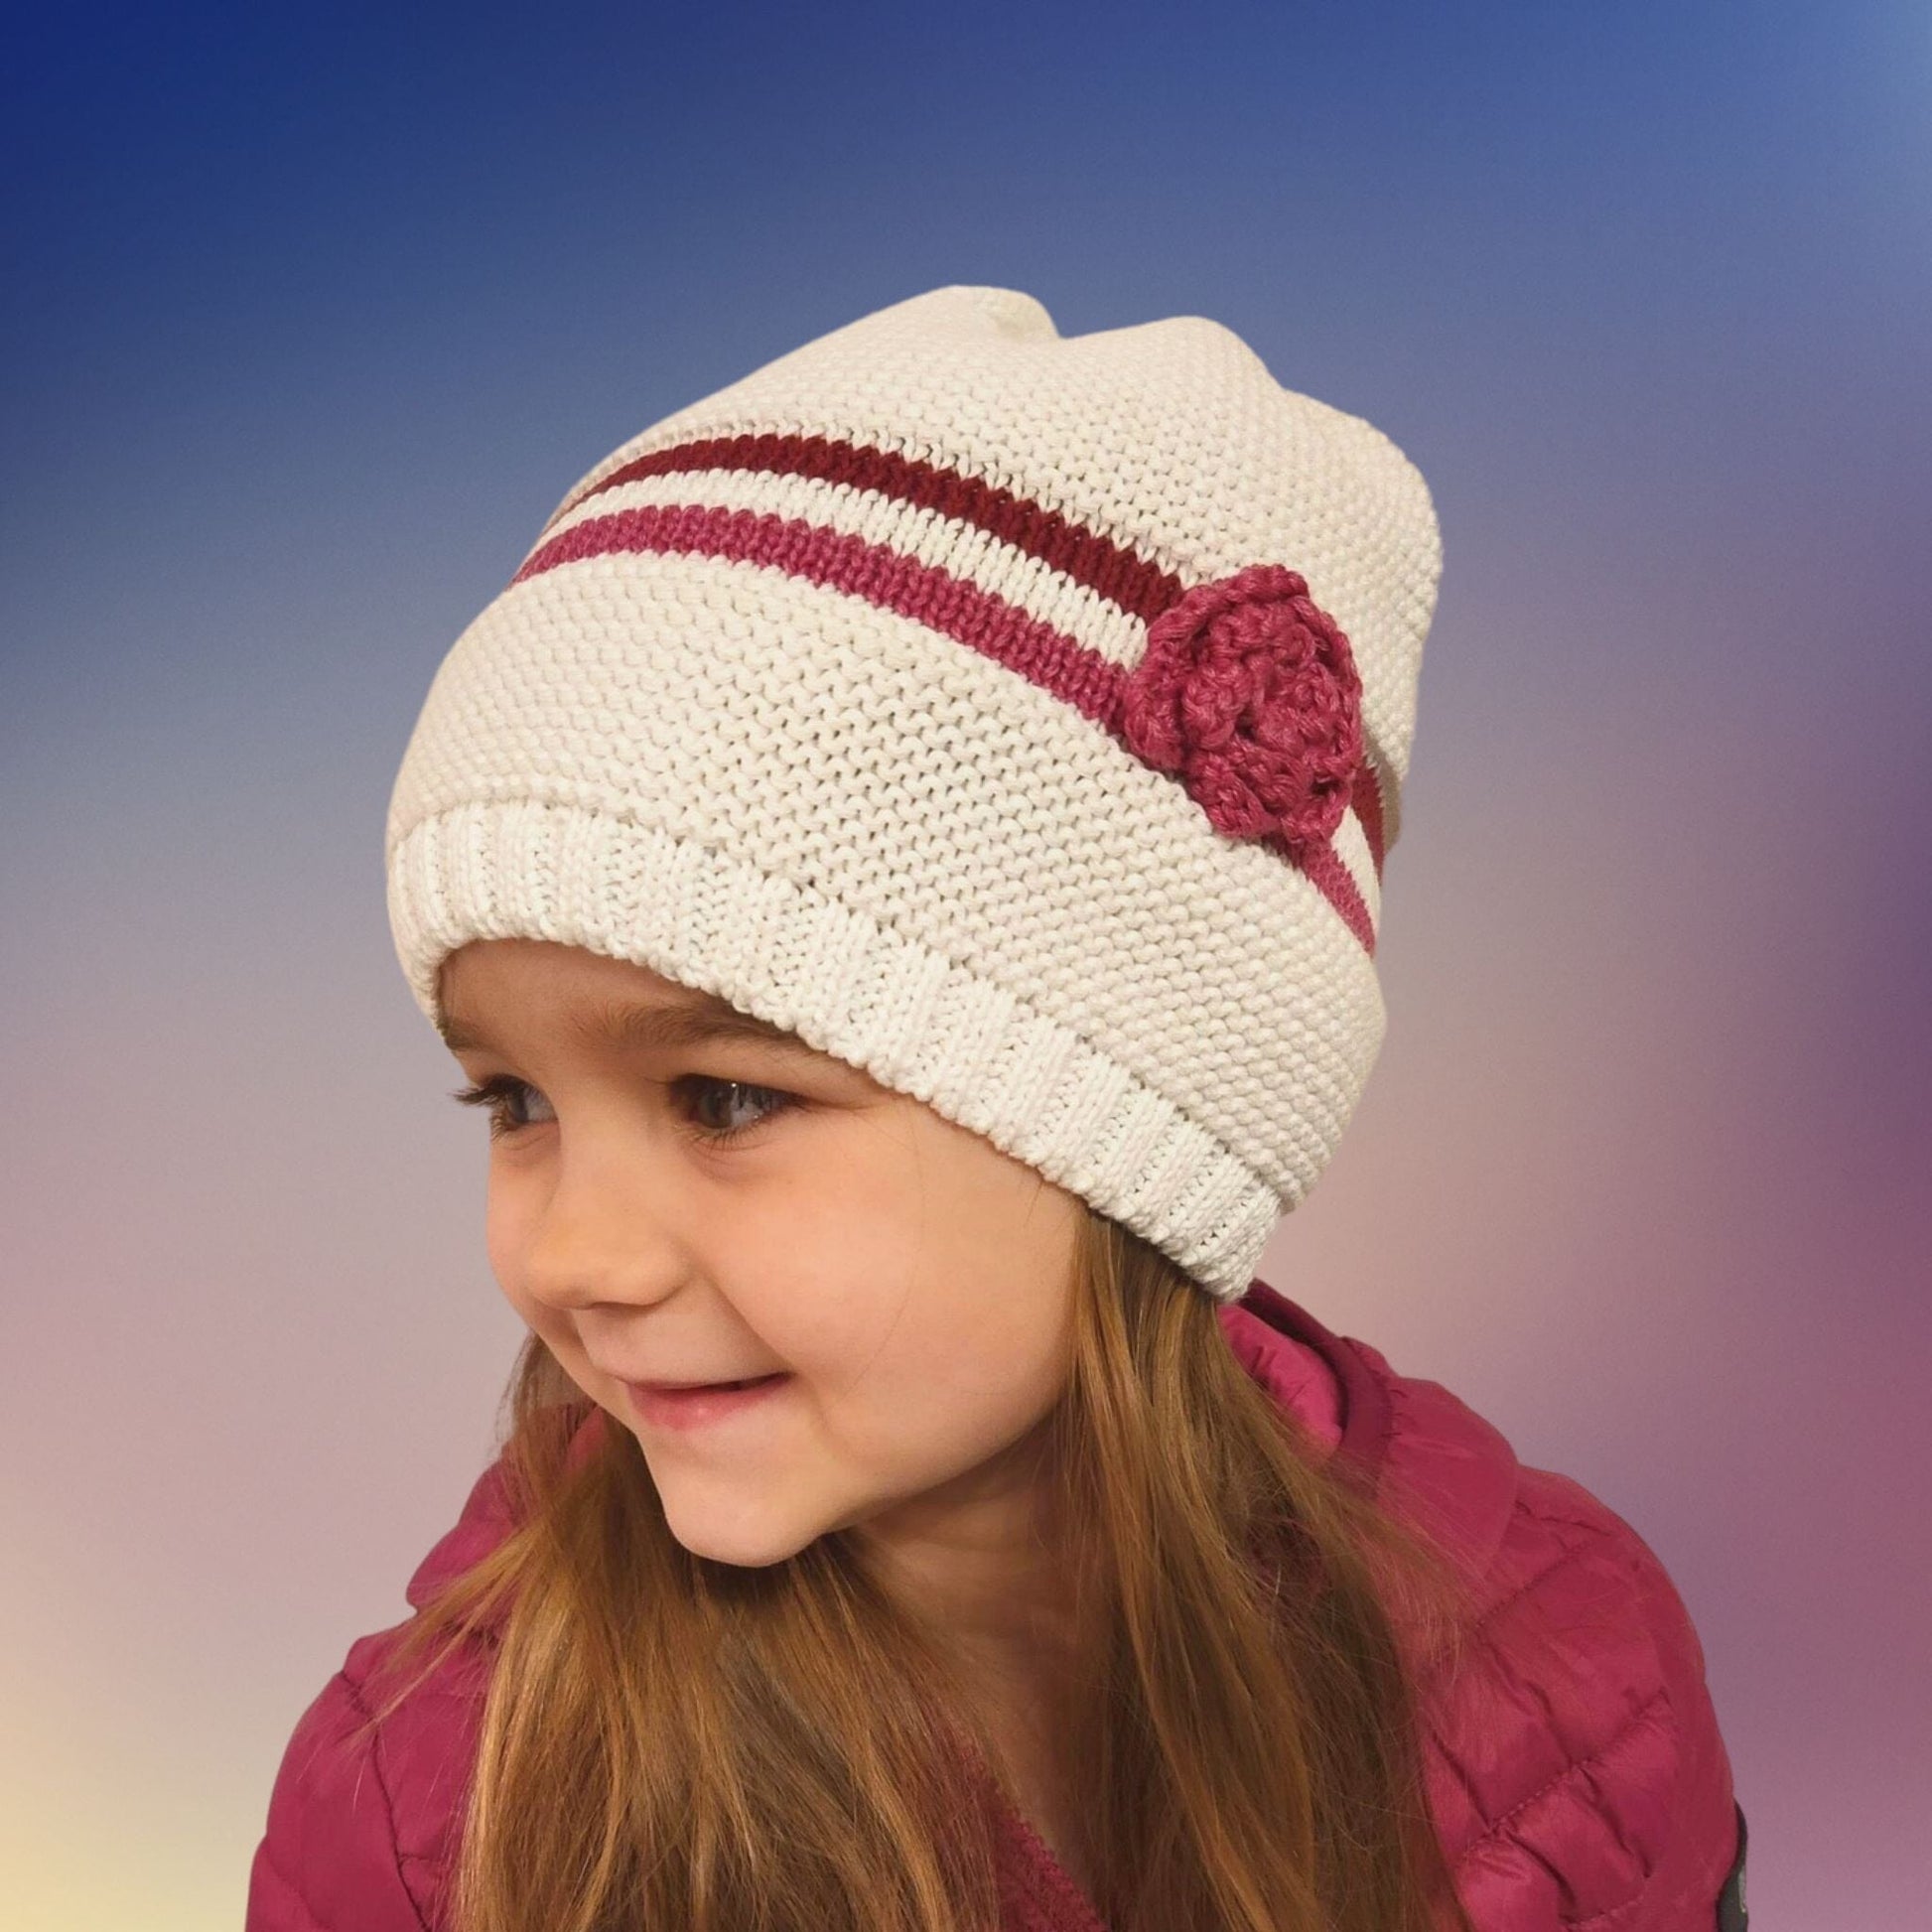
column 1249, row 691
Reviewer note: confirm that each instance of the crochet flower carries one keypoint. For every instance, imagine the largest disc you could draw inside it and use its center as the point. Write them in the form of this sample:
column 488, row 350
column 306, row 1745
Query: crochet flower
column 1249, row 691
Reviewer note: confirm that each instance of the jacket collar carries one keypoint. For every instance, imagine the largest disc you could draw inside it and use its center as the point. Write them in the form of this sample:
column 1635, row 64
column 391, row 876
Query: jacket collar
column 1428, row 1456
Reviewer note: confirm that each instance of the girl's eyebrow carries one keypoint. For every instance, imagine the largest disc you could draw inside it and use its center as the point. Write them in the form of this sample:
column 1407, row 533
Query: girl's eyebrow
column 661, row 1029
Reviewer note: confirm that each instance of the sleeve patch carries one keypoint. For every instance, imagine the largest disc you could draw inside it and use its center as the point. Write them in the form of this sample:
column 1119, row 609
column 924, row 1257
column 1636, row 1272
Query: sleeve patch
column 1730, row 1901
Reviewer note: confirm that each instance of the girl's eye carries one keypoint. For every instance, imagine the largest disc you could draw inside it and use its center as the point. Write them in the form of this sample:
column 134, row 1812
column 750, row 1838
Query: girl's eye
column 502, row 1092
column 769, row 1103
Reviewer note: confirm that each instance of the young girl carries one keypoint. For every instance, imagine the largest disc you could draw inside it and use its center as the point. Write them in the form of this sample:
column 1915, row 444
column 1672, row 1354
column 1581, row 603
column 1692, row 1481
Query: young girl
column 901, row 866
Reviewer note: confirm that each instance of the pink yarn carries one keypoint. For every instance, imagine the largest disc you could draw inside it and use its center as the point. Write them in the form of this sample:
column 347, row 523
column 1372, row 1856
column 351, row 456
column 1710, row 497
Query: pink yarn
column 1249, row 691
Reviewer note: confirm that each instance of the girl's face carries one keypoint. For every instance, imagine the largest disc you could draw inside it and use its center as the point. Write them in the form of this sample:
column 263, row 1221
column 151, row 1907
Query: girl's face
column 911, row 1282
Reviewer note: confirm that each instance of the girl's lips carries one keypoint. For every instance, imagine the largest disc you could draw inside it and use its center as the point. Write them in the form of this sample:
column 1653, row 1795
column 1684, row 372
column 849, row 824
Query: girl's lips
column 664, row 1407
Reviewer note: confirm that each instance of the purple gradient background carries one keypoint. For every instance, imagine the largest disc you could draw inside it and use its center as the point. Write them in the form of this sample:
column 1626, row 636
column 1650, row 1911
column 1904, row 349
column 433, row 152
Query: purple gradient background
column 312, row 320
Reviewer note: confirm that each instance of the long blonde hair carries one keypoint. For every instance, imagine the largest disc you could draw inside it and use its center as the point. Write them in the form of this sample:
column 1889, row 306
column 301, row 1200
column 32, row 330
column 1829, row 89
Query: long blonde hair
column 667, row 1741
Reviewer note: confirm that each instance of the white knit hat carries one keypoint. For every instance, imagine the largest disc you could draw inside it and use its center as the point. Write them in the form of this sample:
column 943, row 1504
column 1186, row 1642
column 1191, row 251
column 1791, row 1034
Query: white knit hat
column 1019, row 718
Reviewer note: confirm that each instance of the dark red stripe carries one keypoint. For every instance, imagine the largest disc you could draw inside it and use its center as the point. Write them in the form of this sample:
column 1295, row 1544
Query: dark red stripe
column 1138, row 587
column 976, row 617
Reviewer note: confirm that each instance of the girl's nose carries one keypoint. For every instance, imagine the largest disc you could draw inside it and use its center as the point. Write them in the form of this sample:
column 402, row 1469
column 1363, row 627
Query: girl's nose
column 603, row 1237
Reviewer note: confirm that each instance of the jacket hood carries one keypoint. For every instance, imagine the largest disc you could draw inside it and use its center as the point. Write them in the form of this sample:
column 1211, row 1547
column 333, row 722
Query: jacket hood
column 1422, row 1446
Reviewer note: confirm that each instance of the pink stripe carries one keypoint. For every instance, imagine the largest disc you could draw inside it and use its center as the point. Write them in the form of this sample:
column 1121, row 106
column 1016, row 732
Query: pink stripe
column 1366, row 801
column 985, row 623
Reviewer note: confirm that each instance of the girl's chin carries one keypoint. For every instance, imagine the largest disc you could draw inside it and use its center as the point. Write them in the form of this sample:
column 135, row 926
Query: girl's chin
column 736, row 1549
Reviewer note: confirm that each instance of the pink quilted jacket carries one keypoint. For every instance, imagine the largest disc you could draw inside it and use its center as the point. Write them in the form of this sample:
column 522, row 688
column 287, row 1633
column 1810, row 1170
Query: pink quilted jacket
column 1574, row 1767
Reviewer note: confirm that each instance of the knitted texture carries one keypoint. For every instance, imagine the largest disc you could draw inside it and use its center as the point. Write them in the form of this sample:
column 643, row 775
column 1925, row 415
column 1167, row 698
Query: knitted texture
column 1020, row 717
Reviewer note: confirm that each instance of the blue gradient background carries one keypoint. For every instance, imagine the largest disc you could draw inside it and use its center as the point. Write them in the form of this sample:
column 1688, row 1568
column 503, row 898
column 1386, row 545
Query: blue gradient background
column 310, row 321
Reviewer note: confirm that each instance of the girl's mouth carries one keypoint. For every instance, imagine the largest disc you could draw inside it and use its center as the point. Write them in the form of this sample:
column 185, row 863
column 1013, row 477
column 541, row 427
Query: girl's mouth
column 692, row 1408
